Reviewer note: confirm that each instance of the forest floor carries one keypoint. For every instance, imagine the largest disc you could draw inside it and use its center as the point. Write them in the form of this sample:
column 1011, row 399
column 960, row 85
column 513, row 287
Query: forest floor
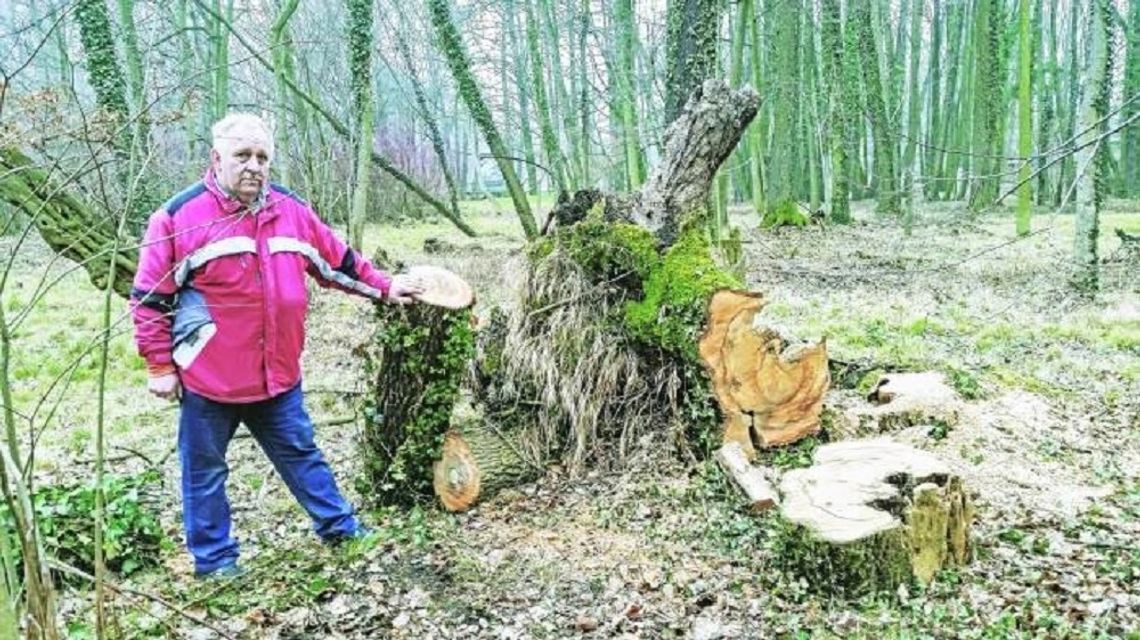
column 1049, row 443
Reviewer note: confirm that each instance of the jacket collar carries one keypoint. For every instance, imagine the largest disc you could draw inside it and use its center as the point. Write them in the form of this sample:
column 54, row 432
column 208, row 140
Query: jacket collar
column 231, row 205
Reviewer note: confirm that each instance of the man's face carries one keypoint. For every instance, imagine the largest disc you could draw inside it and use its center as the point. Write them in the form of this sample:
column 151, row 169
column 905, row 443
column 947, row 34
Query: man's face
column 241, row 160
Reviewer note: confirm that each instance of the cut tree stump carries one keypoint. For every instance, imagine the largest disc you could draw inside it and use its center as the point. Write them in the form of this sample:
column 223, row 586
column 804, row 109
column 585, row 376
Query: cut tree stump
column 900, row 401
column 870, row 515
column 476, row 463
column 766, row 391
column 751, row 480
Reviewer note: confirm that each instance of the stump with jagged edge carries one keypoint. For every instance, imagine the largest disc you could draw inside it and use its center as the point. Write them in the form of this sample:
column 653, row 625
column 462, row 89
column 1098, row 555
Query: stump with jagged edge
column 767, row 391
column 871, row 515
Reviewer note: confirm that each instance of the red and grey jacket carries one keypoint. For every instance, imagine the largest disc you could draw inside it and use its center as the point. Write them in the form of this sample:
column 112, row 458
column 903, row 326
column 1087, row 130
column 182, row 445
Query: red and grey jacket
column 220, row 290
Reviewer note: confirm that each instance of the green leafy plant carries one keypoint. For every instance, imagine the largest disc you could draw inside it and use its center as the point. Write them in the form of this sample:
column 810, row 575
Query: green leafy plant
column 132, row 535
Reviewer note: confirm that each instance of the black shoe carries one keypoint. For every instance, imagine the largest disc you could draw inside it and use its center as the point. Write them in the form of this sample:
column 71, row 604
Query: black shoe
column 362, row 534
column 231, row 571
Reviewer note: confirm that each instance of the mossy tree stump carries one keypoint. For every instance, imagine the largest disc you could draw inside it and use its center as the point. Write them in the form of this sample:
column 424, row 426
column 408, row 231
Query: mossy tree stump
column 870, row 515
column 415, row 362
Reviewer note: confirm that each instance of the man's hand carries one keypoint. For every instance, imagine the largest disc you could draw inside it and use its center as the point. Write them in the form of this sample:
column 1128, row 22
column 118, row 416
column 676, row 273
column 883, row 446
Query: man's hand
column 166, row 386
column 404, row 289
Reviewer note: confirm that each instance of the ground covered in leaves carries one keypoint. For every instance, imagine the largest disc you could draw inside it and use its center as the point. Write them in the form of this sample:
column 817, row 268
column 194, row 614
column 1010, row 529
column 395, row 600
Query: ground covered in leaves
column 1046, row 433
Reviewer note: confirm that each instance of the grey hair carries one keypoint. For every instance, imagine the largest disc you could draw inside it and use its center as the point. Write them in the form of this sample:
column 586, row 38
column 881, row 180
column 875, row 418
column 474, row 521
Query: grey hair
column 235, row 124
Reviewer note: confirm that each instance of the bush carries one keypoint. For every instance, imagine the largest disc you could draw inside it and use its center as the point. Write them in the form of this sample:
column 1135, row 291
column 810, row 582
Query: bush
column 132, row 536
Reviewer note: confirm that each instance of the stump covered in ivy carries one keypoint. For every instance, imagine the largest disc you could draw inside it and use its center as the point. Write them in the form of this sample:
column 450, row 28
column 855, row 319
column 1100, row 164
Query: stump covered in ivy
column 415, row 362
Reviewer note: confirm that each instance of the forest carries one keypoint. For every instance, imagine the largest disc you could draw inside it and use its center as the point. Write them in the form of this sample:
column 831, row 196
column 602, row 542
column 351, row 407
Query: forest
column 778, row 318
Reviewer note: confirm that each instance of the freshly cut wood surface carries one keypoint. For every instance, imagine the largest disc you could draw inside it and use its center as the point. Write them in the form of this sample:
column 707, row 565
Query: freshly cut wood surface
column 442, row 288
column 767, row 392
column 870, row 514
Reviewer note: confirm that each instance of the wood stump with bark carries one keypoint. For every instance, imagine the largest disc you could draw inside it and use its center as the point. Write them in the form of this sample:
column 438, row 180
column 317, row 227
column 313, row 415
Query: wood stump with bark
column 477, row 461
column 415, row 362
column 871, row 515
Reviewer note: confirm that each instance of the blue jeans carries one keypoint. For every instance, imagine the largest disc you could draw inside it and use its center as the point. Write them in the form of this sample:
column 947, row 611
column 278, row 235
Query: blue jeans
column 283, row 429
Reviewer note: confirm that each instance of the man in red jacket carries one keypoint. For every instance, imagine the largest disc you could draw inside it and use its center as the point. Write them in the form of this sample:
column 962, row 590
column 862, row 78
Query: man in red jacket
column 219, row 306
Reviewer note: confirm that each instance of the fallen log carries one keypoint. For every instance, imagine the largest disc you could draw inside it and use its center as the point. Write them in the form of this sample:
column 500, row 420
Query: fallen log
column 751, row 480
column 475, row 463
column 870, row 515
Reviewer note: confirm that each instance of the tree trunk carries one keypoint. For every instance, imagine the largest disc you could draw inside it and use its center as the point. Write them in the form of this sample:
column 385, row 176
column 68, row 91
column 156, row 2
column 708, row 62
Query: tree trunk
column 786, row 106
column 456, row 54
column 584, row 106
column 104, row 72
column 696, row 144
column 1073, row 111
column 220, row 61
column 140, row 129
column 933, row 137
column 692, row 27
column 415, row 362
column 549, row 137
column 360, row 71
column 283, row 69
column 1092, row 161
column 66, row 224
column 1047, row 87
column 871, row 515
column 627, row 103
column 838, row 114
column 1130, row 145
column 1025, row 118
column 884, row 138
column 522, row 68
column 756, row 138
column 911, row 164
column 428, row 117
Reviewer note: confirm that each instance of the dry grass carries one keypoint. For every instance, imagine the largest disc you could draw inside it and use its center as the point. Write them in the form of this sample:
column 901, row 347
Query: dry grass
column 593, row 386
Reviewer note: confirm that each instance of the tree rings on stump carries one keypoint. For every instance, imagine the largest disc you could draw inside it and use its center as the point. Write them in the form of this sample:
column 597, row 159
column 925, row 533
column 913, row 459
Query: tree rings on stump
column 442, row 288
column 456, row 474
column 870, row 515
column 765, row 391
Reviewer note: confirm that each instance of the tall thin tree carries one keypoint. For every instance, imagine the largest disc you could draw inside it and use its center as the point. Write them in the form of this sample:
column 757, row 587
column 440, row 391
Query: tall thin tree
column 460, row 64
column 1025, row 117
column 1092, row 160
column 360, row 73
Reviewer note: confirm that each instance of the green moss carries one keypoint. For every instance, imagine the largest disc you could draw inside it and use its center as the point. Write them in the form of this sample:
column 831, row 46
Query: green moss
column 604, row 251
column 672, row 313
column 878, row 564
column 786, row 213
column 868, row 381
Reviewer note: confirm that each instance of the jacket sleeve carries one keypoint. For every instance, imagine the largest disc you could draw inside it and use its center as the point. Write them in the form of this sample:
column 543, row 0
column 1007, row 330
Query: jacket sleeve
column 343, row 267
column 153, row 294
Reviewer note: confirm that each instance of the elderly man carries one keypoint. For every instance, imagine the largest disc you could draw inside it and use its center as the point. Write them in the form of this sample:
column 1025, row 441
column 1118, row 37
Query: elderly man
column 219, row 306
